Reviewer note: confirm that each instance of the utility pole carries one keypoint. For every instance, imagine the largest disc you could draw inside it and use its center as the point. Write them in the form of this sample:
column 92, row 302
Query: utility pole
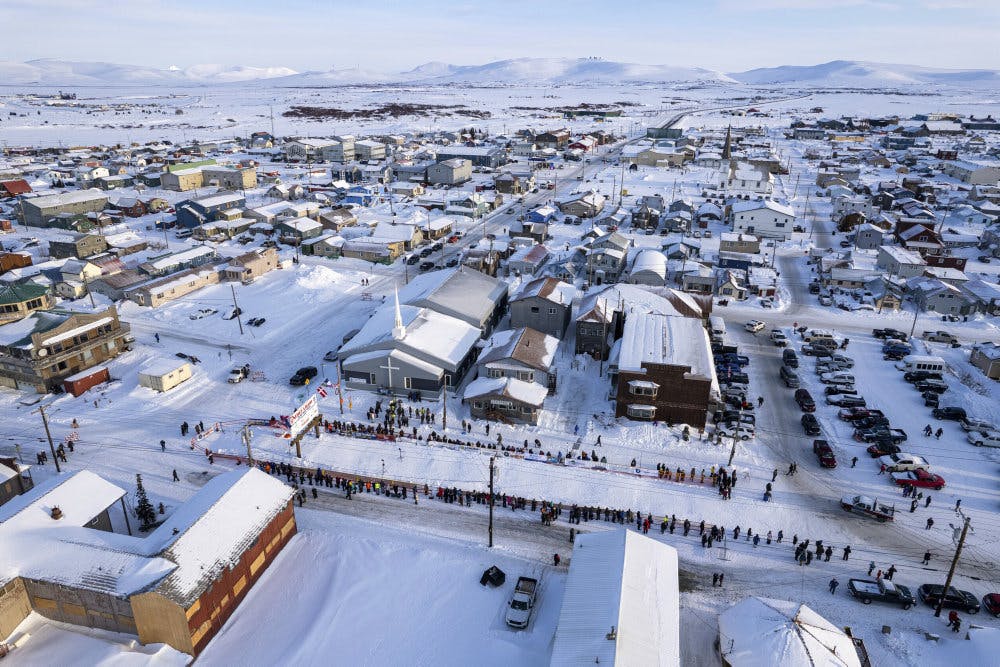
column 86, row 283
column 236, row 309
column 916, row 314
column 444, row 403
column 954, row 562
column 492, row 459
column 48, row 434
column 340, row 392
column 246, row 441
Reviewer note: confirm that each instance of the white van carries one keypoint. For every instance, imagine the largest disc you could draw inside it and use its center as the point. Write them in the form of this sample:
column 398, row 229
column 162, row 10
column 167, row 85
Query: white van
column 717, row 326
column 818, row 334
column 920, row 362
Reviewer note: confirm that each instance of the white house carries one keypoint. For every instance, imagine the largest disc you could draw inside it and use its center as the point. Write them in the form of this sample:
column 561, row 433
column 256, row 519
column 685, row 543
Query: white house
column 763, row 217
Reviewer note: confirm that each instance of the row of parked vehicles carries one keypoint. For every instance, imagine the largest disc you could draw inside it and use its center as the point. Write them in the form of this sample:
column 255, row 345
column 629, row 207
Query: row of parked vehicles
column 738, row 419
column 889, row 592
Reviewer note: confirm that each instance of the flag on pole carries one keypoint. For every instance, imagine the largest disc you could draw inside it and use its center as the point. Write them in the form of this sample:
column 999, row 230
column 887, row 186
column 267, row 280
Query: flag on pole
column 321, row 391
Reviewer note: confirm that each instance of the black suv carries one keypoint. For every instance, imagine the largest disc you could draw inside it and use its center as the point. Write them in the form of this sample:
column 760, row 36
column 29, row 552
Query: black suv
column 303, row 374
column 805, row 400
column 930, row 595
column 810, row 424
column 914, row 377
column 954, row 414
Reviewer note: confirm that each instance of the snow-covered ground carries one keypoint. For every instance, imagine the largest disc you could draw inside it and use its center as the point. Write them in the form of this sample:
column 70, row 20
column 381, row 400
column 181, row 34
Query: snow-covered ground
column 408, row 576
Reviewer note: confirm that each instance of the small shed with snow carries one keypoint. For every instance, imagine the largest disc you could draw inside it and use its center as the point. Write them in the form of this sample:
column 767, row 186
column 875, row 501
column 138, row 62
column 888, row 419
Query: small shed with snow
column 164, row 374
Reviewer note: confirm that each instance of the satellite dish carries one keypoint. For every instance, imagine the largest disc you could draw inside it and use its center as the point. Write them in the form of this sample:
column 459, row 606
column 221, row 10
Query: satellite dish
column 42, row 352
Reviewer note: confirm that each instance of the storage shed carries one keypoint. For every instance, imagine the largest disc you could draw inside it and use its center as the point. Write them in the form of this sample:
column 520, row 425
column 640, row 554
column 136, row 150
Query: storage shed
column 80, row 382
column 164, row 374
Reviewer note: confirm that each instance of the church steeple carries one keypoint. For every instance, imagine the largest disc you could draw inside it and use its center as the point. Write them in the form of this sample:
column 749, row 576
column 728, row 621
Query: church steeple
column 727, row 148
column 398, row 330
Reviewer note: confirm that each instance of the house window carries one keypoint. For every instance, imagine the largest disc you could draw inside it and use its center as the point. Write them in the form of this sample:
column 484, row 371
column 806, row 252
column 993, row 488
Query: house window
column 534, row 309
column 641, row 411
column 407, row 383
column 642, row 388
column 371, row 378
column 552, row 311
column 494, row 373
column 477, row 404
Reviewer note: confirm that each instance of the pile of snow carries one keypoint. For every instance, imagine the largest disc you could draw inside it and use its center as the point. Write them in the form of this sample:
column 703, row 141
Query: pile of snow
column 862, row 74
column 318, row 278
column 40, row 641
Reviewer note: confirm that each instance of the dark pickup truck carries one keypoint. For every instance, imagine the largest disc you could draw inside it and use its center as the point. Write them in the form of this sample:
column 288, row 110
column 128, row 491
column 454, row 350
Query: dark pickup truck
column 881, row 590
column 893, row 435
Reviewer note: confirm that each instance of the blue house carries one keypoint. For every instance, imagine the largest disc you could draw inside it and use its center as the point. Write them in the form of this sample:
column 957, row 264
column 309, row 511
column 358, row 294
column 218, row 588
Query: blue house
column 542, row 214
column 359, row 195
column 194, row 212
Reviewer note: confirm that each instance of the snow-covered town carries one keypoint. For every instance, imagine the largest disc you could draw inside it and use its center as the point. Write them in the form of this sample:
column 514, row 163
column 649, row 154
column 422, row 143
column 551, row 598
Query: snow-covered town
column 548, row 361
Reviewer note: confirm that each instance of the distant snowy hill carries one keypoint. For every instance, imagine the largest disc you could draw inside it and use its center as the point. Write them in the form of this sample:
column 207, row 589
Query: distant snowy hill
column 865, row 75
column 61, row 72
column 563, row 70
column 523, row 71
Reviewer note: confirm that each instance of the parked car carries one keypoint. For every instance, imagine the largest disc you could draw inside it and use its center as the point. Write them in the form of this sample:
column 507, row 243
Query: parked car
column 931, row 399
column 984, row 438
column 837, row 377
column 919, row 478
column 426, row 266
column 332, row 356
column 869, row 507
column 302, row 375
column 940, row 337
column 805, row 400
column 790, row 377
column 951, row 413
column 413, row 259
column 823, row 452
column 779, row 338
column 930, row 595
column 846, row 401
column 854, row 414
column 969, row 424
column 991, row 602
column 190, row 357
column 903, row 461
column 871, row 421
column 233, row 314
column 893, row 435
column 734, row 430
column 522, row 602
column 728, row 416
column 880, row 590
column 239, row 374
column 840, row 389
column 933, row 386
column 889, row 334
column 753, row 326
column 843, row 360
column 202, row 313
column 883, row 448
column 810, row 424
column 811, row 350
column 914, row 377
column 790, row 359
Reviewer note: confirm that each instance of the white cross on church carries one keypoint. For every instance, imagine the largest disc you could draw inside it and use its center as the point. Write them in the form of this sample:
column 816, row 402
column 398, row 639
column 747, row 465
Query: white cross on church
column 390, row 368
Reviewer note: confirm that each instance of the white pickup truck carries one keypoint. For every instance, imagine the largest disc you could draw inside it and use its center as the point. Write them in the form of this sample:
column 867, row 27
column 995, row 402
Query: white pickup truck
column 522, row 602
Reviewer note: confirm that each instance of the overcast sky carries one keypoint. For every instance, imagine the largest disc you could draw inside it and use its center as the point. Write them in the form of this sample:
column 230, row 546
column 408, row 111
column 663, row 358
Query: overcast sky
column 392, row 35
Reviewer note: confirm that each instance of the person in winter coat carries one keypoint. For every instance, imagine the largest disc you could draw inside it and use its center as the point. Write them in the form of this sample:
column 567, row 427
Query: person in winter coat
column 756, row 541
column 829, row 552
column 833, row 585
column 555, row 559
column 927, row 557
column 930, row 524
column 809, row 557
column 891, row 572
column 847, row 552
column 954, row 622
column 871, row 568
column 176, row 478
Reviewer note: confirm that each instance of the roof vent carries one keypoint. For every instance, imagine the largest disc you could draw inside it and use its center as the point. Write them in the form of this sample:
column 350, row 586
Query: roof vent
column 56, row 513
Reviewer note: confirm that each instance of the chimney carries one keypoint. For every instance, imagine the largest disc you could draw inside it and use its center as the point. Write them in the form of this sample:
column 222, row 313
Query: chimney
column 56, row 513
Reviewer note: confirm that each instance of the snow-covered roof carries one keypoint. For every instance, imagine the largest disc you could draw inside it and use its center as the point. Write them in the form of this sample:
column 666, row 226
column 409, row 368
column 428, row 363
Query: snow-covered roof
column 550, row 289
column 743, row 206
column 528, row 346
column 63, row 551
column 623, row 580
column 182, row 257
column 902, row 255
column 66, row 198
column 764, row 632
column 301, row 225
column 530, row 393
column 215, row 527
column 650, row 259
column 461, row 292
column 663, row 339
column 430, row 335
